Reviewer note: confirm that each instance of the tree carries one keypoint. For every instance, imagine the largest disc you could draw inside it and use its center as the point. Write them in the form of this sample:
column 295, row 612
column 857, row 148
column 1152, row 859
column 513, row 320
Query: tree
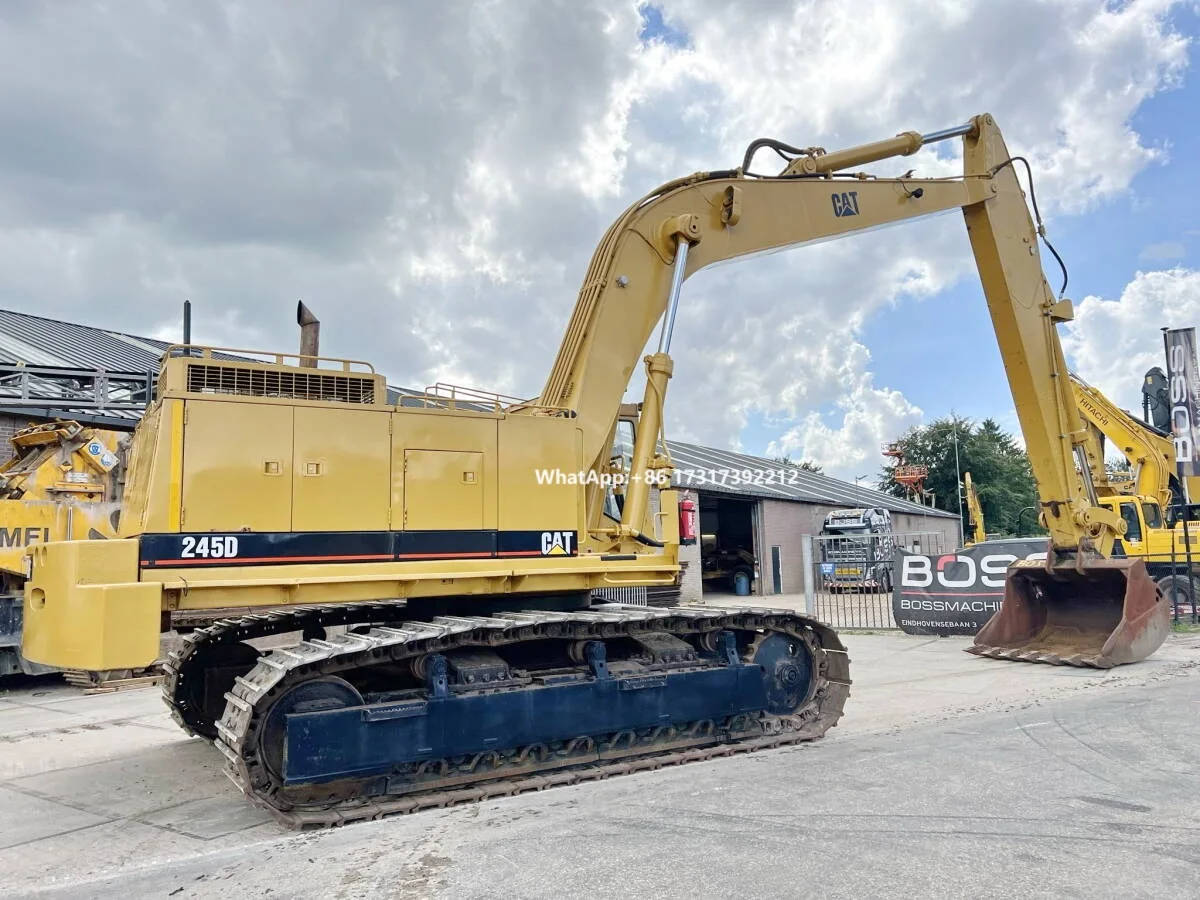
column 806, row 464
column 999, row 469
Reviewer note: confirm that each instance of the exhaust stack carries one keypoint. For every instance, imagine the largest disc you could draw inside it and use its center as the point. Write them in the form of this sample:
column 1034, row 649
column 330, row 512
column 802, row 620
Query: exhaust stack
column 310, row 335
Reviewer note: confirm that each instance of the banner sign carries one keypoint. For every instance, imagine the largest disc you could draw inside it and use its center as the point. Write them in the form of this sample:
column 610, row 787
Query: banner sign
column 1183, row 382
column 956, row 593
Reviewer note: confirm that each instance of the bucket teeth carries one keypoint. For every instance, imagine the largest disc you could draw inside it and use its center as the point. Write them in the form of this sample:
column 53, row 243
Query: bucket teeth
column 1078, row 660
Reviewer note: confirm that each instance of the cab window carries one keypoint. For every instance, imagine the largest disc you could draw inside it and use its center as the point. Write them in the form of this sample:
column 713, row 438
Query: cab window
column 1151, row 514
column 1133, row 527
column 614, row 502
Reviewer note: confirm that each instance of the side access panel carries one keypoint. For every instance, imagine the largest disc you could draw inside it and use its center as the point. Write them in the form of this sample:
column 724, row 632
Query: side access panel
column 443, row 490
column 538, row 459
column 248, row 488
column 341, row 470
column 419, row 431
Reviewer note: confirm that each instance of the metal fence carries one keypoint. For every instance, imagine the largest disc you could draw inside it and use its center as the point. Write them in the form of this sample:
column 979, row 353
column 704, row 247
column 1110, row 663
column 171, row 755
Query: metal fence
column 849, row 578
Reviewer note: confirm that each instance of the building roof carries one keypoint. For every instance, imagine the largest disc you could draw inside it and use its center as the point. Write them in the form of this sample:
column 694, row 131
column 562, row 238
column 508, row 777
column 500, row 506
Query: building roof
column 51, row 360
column 35, row 341
column 38, row 341
column 725, row 472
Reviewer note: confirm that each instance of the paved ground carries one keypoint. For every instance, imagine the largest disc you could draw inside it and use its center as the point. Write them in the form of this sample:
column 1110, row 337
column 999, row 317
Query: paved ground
column 950, row 776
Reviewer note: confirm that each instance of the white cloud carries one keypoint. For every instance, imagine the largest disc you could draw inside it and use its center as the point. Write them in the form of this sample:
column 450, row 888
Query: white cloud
column 1167, row 251
column 1113, row 342
column 432, row 179
column 870, row 417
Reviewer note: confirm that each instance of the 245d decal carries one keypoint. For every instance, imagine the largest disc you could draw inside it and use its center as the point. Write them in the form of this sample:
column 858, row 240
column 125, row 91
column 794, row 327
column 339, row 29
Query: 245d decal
column 215, row 547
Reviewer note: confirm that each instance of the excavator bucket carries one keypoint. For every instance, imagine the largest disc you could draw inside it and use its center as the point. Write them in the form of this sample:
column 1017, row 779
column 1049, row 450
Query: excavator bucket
column 1108, row 613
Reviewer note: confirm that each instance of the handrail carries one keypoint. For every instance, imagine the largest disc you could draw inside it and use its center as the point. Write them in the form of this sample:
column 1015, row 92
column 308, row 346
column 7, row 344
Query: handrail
column 195, row 351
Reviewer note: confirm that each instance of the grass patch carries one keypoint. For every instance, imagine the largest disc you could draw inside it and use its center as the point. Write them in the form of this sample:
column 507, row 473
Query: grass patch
column 1185, row 628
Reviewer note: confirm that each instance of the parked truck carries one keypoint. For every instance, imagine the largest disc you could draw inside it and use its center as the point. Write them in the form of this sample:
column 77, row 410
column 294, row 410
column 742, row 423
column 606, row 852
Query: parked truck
column 857, row 550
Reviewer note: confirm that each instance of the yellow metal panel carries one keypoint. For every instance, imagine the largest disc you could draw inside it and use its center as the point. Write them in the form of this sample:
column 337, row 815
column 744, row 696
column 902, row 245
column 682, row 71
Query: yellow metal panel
column 668, row 517
column 253, row 585
column 22, row 525
column 143, row 509
column 419, row 429
column 85, row 609
column 237, row 467
column 443, row 489
column 529, row 446
column 341, row 470
column 175, row 489
column 27, row 523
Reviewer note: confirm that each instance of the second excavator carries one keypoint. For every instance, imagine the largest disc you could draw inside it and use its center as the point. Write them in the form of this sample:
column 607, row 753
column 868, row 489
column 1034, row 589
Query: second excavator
column 447, row 645
column 978, row 531
column 1149, row 498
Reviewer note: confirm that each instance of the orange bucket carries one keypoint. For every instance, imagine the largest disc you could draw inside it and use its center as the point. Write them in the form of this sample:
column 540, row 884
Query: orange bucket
column 1105, row 613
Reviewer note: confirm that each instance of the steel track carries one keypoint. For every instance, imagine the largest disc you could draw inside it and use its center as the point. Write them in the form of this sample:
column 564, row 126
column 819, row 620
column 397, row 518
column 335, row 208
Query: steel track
column 496, row 773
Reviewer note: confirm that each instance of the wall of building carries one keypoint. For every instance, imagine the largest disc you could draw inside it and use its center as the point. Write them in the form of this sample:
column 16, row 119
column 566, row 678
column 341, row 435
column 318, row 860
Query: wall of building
column 949, row 530
column 784, row 524
column 9, row 425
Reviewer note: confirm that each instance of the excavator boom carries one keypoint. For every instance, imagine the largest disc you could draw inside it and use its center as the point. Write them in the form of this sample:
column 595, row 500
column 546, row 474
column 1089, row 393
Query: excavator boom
column 709, row 217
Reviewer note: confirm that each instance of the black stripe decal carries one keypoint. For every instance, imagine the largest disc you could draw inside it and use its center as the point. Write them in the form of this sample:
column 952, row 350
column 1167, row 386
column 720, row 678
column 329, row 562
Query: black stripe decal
column 222, row 549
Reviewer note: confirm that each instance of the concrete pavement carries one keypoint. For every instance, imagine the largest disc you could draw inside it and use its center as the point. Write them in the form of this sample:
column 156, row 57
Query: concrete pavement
column 103, row 795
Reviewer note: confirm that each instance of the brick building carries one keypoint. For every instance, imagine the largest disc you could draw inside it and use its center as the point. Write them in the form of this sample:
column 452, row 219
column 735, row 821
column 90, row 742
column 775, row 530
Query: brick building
column 771, row 512
column 52, row 369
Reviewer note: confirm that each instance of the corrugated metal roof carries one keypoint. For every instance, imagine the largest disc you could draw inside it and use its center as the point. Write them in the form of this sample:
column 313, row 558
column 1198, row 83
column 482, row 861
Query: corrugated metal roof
column 38, row 341
column 723, row 471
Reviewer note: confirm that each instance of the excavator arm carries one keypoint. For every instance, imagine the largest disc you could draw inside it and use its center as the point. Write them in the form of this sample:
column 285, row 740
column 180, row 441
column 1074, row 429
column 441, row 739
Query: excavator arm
column 634, row 281
column 974, row 511
column 1149, row 453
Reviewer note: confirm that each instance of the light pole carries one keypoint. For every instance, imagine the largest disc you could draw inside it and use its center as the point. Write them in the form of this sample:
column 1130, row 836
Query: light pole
column 957, row 469
column 857, row 479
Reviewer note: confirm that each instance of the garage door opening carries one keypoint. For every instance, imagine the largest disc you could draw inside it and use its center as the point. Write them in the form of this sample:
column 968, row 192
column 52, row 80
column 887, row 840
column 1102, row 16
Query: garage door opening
column 729, row 559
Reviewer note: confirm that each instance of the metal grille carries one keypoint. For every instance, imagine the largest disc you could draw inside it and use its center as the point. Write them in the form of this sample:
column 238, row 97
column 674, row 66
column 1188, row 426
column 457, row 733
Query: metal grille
column 852, row 579
column 634, row 596
column 248, row 382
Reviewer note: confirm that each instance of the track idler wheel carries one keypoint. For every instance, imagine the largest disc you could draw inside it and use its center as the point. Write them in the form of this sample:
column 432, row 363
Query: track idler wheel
column 787, row 670
column 329, row 692
column 202, row 696
column 1107, row 613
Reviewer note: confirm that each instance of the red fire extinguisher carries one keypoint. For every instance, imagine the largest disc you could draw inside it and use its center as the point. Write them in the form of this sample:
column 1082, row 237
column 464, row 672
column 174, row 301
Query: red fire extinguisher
column 687, row 521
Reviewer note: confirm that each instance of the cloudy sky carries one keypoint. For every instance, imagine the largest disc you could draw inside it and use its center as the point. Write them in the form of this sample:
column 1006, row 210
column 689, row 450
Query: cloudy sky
column 432, row 179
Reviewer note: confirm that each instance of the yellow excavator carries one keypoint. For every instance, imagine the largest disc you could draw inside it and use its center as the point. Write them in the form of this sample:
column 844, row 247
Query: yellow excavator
column 440, row 574
column 1144, row 498
column 975, row 527
column 62, row 482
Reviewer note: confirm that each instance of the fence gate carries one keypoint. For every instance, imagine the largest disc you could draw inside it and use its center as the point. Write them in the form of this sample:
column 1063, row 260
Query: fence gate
column 851, row 578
